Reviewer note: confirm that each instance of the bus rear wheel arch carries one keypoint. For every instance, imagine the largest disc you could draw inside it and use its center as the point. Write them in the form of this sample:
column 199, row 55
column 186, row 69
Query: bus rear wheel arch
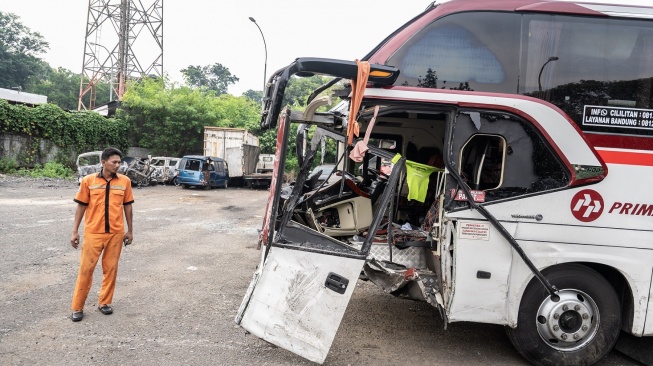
column 578, row 327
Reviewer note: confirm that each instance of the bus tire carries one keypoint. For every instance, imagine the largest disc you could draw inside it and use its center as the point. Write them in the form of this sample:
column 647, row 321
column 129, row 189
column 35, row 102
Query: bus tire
column 578, row 329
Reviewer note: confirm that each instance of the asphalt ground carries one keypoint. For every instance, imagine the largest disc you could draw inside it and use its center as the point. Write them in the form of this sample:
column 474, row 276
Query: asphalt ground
column 180, row 285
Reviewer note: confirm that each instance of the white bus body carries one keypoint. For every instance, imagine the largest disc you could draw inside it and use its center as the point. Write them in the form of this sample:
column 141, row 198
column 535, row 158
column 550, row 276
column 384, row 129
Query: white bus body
column 538, row 216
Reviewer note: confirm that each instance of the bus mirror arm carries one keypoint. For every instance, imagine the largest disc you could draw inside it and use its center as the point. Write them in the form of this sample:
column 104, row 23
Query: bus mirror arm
column 485, row 213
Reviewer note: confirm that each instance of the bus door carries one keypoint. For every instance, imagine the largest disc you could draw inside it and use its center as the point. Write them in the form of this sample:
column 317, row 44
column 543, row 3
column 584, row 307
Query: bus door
column 498, row 158
column 305, row 279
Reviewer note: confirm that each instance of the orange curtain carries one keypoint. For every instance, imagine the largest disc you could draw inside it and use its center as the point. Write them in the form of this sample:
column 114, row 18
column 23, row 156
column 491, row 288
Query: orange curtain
column 357, row 90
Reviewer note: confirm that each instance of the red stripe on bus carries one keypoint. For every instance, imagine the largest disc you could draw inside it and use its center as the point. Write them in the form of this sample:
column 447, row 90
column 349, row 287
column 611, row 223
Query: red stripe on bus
column 620, row 141
column 626, row 157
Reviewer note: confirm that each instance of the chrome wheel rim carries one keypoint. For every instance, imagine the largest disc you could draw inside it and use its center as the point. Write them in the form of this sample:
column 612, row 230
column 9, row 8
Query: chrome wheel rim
column 570, row 323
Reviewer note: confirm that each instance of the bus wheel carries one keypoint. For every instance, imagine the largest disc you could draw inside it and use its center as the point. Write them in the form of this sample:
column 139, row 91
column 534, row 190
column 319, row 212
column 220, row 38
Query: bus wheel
column 577, row 327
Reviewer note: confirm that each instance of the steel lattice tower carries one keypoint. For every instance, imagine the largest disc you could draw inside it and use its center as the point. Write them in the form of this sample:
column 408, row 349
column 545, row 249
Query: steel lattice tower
column 130, row 47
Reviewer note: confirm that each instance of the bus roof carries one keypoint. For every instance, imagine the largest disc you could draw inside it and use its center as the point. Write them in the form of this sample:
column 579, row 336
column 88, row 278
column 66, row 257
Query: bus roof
column 515, row 4
column 641, row 9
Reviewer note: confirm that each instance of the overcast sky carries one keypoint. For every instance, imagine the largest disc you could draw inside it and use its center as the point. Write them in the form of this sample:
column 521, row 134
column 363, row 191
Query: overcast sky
column 203, row 32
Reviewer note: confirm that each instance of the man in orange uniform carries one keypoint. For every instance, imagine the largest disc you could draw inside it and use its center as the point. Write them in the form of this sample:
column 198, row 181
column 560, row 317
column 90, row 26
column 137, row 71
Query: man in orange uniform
column 102, row 197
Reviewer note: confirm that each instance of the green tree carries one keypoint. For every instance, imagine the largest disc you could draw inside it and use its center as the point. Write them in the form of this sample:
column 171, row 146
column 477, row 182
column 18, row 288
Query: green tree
column 171, row 120
column 255, row 95
column 61, row 86
column 17, row 38
column 212, row 77
column 19, row 47
column 300, row 88
column 430, row 81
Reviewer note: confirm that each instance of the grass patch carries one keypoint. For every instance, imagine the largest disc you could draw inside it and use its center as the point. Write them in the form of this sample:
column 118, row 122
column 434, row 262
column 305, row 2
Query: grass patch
column 49, row 170
column 8, row 166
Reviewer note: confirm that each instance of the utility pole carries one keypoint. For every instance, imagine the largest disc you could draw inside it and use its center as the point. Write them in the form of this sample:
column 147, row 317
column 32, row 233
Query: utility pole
column 110, row 56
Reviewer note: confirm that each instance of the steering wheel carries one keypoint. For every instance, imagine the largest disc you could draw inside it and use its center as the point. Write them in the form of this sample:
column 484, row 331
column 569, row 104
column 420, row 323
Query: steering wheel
column 378, row 173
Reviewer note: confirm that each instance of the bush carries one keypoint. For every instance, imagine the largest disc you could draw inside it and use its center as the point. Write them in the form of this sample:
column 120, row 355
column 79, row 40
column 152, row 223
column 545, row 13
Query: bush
column 8, row 165
column 50, row 170
column 72, row 132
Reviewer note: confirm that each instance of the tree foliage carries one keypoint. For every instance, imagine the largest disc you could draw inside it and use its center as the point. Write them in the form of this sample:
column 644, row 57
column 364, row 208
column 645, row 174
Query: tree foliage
column 214, row 77
column 19, row 46
column 17, row 38
column 171, row 120
column 255, row 95
column 299, row 89
column 61, row 86
column 21, row 69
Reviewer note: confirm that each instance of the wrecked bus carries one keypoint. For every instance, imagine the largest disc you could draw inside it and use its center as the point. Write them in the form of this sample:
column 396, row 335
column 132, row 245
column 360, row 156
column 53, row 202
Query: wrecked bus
column 514, row 195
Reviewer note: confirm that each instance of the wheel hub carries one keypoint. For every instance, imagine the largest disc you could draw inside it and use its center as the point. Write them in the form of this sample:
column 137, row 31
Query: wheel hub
column 569, row 323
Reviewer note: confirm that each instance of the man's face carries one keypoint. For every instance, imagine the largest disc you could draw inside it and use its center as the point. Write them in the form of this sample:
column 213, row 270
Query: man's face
column 112, row 164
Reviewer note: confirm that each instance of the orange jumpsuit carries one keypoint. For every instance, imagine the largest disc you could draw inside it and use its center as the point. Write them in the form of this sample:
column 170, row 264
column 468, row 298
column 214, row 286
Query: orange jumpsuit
column 104, row 231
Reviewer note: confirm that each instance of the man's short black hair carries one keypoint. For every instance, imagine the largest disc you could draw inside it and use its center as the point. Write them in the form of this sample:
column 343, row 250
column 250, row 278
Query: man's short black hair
column 109, row 152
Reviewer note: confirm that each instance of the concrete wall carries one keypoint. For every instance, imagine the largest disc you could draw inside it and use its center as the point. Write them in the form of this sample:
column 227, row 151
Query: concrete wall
column 137, row 152
column 15, row 147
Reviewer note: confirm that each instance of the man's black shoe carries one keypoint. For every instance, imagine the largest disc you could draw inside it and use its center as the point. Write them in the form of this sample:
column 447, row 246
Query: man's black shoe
column 106, row 309
column 77, row 316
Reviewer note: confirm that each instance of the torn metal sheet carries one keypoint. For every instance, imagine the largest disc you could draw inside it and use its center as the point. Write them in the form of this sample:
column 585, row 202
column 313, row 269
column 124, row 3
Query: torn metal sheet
column 403, row 282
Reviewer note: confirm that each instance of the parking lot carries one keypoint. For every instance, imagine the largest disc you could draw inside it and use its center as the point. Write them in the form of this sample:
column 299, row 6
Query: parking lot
column 180, row 285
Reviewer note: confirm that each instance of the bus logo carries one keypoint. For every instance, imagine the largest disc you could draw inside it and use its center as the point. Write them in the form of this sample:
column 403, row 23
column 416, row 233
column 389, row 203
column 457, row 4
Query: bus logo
column 587, row 205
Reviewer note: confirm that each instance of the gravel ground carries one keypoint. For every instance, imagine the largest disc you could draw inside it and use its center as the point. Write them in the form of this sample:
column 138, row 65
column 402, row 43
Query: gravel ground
column 179, row 287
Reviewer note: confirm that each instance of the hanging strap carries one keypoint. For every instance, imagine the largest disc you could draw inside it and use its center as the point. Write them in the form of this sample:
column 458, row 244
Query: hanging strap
column 370, row 126
column 360, row 149
column 357, row 90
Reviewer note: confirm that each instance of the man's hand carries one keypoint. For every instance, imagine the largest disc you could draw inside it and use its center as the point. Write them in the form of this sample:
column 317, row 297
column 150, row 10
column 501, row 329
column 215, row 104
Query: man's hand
column 79, row 214
column 74, row 240
column 128, row 236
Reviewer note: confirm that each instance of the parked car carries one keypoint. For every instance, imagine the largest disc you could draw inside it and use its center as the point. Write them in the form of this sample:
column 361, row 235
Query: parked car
column 139, row 172
column 202, row 171
column 165, row 167
column 91, row 162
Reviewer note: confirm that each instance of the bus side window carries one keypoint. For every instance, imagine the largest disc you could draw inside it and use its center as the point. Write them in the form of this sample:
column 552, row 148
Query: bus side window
column 483, row 161
column 504, row 156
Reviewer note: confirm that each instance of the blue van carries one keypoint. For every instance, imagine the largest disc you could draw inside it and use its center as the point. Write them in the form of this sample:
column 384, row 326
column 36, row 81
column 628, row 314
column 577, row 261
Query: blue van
column 202, row 171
